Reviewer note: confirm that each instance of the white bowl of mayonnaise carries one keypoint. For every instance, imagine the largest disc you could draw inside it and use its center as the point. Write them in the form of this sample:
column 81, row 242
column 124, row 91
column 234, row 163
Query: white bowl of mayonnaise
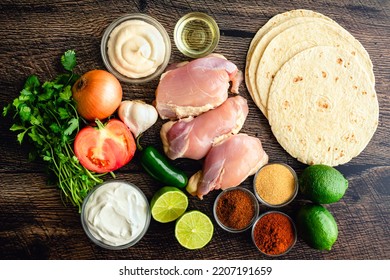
column 115, row 215
column 136, row 48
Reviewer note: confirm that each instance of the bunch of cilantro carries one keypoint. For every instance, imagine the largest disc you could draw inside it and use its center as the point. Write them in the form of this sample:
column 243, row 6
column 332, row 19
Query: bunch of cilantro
column 45, row 114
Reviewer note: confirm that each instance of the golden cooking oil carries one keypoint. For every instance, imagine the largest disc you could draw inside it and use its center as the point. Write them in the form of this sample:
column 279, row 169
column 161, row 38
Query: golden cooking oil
column 196, row 34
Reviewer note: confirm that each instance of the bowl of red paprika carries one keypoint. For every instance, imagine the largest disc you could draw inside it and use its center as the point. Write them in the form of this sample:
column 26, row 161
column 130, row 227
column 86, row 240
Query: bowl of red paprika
column 274, row 233
column 236, row 209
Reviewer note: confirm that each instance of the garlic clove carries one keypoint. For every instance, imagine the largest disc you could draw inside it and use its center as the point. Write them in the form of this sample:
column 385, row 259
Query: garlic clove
column 137, row 115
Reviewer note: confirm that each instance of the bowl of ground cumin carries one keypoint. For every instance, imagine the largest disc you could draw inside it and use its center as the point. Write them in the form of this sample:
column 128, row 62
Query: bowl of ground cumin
column 275, row 184
column 274, row 233
column 236, row 209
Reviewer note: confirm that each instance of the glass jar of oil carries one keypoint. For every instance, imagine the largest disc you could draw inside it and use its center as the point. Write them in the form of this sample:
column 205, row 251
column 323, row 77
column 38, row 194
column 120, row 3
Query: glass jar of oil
column 196, row 34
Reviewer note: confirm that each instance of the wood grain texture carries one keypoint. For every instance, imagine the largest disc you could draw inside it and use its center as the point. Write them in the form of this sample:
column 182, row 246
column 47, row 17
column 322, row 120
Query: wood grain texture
column 35, row 223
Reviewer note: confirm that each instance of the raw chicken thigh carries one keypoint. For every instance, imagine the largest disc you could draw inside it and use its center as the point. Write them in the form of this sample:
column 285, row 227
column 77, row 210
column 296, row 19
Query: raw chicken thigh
column 192, row 137
column 192, row 88
column 228, row 164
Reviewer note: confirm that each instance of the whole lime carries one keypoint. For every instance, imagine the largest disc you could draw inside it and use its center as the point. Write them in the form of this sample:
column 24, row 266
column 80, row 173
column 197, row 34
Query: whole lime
column 322, row 184
column 317, row 226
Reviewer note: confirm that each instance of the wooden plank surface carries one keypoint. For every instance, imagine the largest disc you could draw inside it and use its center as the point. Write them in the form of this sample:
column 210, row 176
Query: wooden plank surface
column 34, row 222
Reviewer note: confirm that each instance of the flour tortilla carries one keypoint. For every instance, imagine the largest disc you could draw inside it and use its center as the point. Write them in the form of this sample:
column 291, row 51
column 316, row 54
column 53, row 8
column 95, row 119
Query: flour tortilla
column 298, row 38
column 264, row 35
column 322, row 106
column 278, row 20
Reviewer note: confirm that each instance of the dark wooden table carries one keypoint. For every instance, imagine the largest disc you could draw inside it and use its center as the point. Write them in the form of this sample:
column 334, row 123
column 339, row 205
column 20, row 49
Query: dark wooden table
column 35, row 223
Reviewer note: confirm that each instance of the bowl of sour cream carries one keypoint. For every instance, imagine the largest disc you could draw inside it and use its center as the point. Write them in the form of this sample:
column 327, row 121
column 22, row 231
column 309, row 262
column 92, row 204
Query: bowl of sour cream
column 115, row 215
column 136, row 48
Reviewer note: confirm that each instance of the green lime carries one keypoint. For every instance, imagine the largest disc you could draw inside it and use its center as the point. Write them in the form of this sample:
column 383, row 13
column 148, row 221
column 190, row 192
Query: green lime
column 168, row 204
column 322, row 184
column 194, row 230
column 317, row 226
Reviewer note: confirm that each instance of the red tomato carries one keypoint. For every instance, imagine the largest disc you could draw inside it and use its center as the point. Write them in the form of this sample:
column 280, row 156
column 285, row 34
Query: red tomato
column 106, row 147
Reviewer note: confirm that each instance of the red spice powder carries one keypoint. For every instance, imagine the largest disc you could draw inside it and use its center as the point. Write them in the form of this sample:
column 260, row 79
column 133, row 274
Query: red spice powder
column 273, row 234
column 235, row 209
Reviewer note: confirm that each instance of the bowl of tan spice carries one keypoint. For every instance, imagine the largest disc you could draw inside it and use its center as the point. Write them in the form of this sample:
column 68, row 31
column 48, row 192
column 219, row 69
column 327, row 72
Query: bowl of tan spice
column 275, row 184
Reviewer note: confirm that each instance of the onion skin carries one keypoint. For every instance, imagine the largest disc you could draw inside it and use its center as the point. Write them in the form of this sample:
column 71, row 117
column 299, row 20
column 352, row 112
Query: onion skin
column 98, row 94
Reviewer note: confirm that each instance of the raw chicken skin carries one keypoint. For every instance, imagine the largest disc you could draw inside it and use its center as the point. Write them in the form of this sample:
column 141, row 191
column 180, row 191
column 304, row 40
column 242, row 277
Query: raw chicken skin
column 192, row 88
column 192, row 137
column 228, row 164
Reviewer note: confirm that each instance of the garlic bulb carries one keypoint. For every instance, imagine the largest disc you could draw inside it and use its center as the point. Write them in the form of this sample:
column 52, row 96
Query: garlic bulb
column 137, row 115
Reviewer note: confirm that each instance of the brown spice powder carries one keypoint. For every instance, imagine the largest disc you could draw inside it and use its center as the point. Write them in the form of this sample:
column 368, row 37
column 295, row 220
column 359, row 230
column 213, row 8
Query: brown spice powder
column 275, row 184
column 235, row 209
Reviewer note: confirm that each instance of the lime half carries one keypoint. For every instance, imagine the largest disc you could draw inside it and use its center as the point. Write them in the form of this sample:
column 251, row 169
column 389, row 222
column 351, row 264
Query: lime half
column 194, row 230
column 168, row 204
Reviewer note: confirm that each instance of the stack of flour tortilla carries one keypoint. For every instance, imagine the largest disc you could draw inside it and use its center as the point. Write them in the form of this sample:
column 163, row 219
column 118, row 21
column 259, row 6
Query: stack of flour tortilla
column 315, row 84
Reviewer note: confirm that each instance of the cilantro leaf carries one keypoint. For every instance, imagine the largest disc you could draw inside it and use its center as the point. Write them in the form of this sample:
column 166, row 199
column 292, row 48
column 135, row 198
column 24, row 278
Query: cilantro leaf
column 24, row 96
column 73, row 125
column 16, row 127
column 20, row 136
column 16, row 103
column 47, row 158
column 48, row 91
column 26, row 92
column 55, row 128
column 66, row 94
column 36, row 120
column 7, row 109
column 63, row 113
column 36, row 137
column 25, row 113
column 62, row 79
column 31, row 83
column 68, row 60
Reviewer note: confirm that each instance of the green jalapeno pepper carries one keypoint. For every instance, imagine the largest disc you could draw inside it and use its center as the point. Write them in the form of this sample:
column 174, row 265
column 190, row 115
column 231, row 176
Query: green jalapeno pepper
column 159, row 168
